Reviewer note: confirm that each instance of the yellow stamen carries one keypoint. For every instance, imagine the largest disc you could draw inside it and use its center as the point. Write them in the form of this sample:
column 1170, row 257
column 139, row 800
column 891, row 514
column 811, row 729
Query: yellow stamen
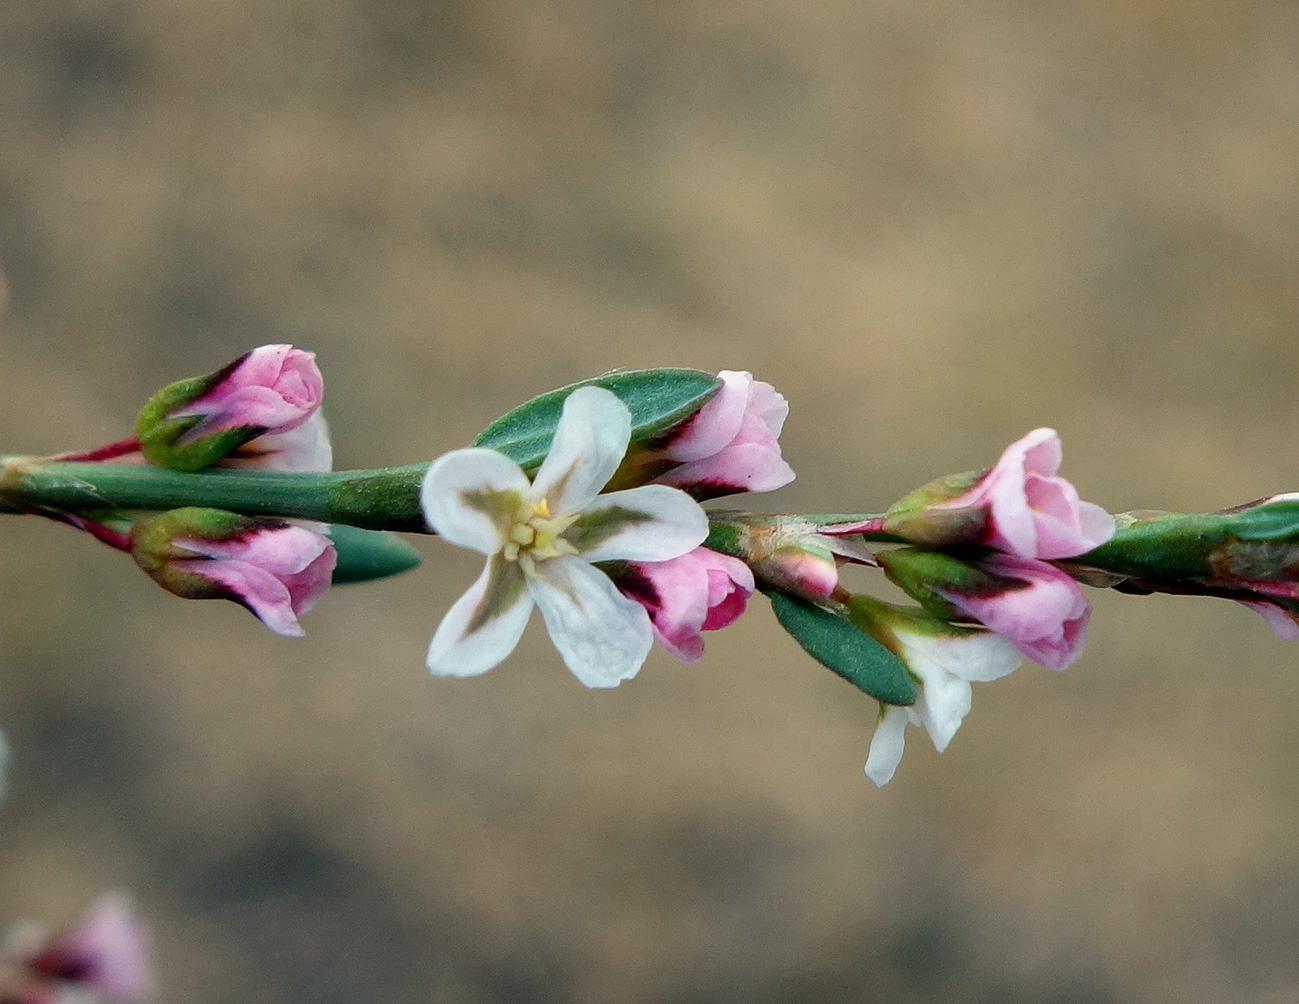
column 535, row 535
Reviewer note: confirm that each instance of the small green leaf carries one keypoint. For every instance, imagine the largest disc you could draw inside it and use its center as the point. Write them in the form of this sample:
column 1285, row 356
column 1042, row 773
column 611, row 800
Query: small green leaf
column 658, row 399
column 847, row 650
column 369, row 554
column 1270, row 521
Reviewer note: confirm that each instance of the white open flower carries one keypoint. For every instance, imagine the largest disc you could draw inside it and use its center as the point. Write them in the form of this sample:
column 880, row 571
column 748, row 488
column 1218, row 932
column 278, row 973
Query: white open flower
column 944, row 662
column 540, row 538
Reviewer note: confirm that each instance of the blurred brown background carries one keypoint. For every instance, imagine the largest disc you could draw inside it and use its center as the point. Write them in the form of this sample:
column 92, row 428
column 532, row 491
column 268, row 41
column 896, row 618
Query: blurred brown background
column 933, row 226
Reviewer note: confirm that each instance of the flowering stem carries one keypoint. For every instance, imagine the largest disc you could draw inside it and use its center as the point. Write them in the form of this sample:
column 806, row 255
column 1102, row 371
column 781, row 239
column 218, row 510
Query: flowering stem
column 382, row 499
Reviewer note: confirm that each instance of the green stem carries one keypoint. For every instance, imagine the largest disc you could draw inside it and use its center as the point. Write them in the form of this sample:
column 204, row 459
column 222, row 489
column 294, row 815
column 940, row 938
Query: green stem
column 382, row 499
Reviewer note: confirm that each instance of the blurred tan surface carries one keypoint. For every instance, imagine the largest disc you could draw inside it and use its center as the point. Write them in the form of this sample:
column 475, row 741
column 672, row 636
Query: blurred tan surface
column 932, row 226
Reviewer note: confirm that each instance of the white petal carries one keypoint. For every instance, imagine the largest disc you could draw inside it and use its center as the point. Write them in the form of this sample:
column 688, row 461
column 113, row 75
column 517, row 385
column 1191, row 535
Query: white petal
column 973, row 655
column 590, row 441
column 466, row 497
column 602, row 636
column 305, row 447
column 887, row 745
column 484, row 625
column 942, row 704
column 651, row 523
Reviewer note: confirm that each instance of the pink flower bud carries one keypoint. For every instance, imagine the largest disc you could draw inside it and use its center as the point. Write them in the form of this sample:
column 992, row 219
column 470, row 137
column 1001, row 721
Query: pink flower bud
column 273, row 388
column 106, row 954
column 1020, row 506
column 805, row 567
column 276, row 569
column 730, row 445
column 268, row 392
column 699, row 591
column 1044, row 615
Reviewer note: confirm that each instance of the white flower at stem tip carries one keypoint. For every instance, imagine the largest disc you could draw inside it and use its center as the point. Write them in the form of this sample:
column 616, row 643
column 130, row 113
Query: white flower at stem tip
column 541, row 539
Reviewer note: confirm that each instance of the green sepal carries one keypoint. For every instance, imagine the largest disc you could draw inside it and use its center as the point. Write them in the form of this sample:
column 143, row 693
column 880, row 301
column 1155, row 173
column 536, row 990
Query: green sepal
column 935, row 492
column 658, row 399
column 364, row 555
column 924, row 575
column 845, row 649
column 154, row 549
column 883, row 622
column 917, row 518
column 160, row 436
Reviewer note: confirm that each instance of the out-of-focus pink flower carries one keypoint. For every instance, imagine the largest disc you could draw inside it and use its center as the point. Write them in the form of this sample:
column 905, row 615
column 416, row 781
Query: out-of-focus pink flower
column 1020, row 506
column 276, row 569
column 730, row 445
column 105, row 955
column 698, row 591
column 273, row 388
column 1044, row 614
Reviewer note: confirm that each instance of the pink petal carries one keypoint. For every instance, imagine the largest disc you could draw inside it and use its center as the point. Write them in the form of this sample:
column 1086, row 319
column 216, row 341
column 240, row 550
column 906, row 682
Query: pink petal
column 749, row 467
column 107, row 952
column 1033, row 512
column 1283, row 623
column 698, row 591
column 1040, row 452
column 716, row 423
column 1046, row 620
column 278, row 573
column 274, row 387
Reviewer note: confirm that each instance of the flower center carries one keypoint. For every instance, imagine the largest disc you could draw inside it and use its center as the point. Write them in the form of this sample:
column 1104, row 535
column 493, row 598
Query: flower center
column 535, row 536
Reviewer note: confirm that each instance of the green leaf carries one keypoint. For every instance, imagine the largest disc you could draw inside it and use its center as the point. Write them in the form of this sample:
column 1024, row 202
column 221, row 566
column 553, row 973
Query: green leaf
column 1270, row 521
column 846, row 649
column 369, row 554
column 658, row 399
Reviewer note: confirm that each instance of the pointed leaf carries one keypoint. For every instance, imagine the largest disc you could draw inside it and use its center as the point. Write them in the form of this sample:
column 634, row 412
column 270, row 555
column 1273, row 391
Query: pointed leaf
column 369, row 554
column 1271, row 521
column 835, row 643
column 657, row 399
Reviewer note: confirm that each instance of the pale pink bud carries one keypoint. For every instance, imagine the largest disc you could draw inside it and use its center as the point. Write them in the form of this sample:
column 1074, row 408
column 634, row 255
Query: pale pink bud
column 731, row 445
column 274, row 388
column 1020, row 506
column 1046, row 618
column 698, row 591
column 106, row 954
column 1032, row 511
column 806, row 568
